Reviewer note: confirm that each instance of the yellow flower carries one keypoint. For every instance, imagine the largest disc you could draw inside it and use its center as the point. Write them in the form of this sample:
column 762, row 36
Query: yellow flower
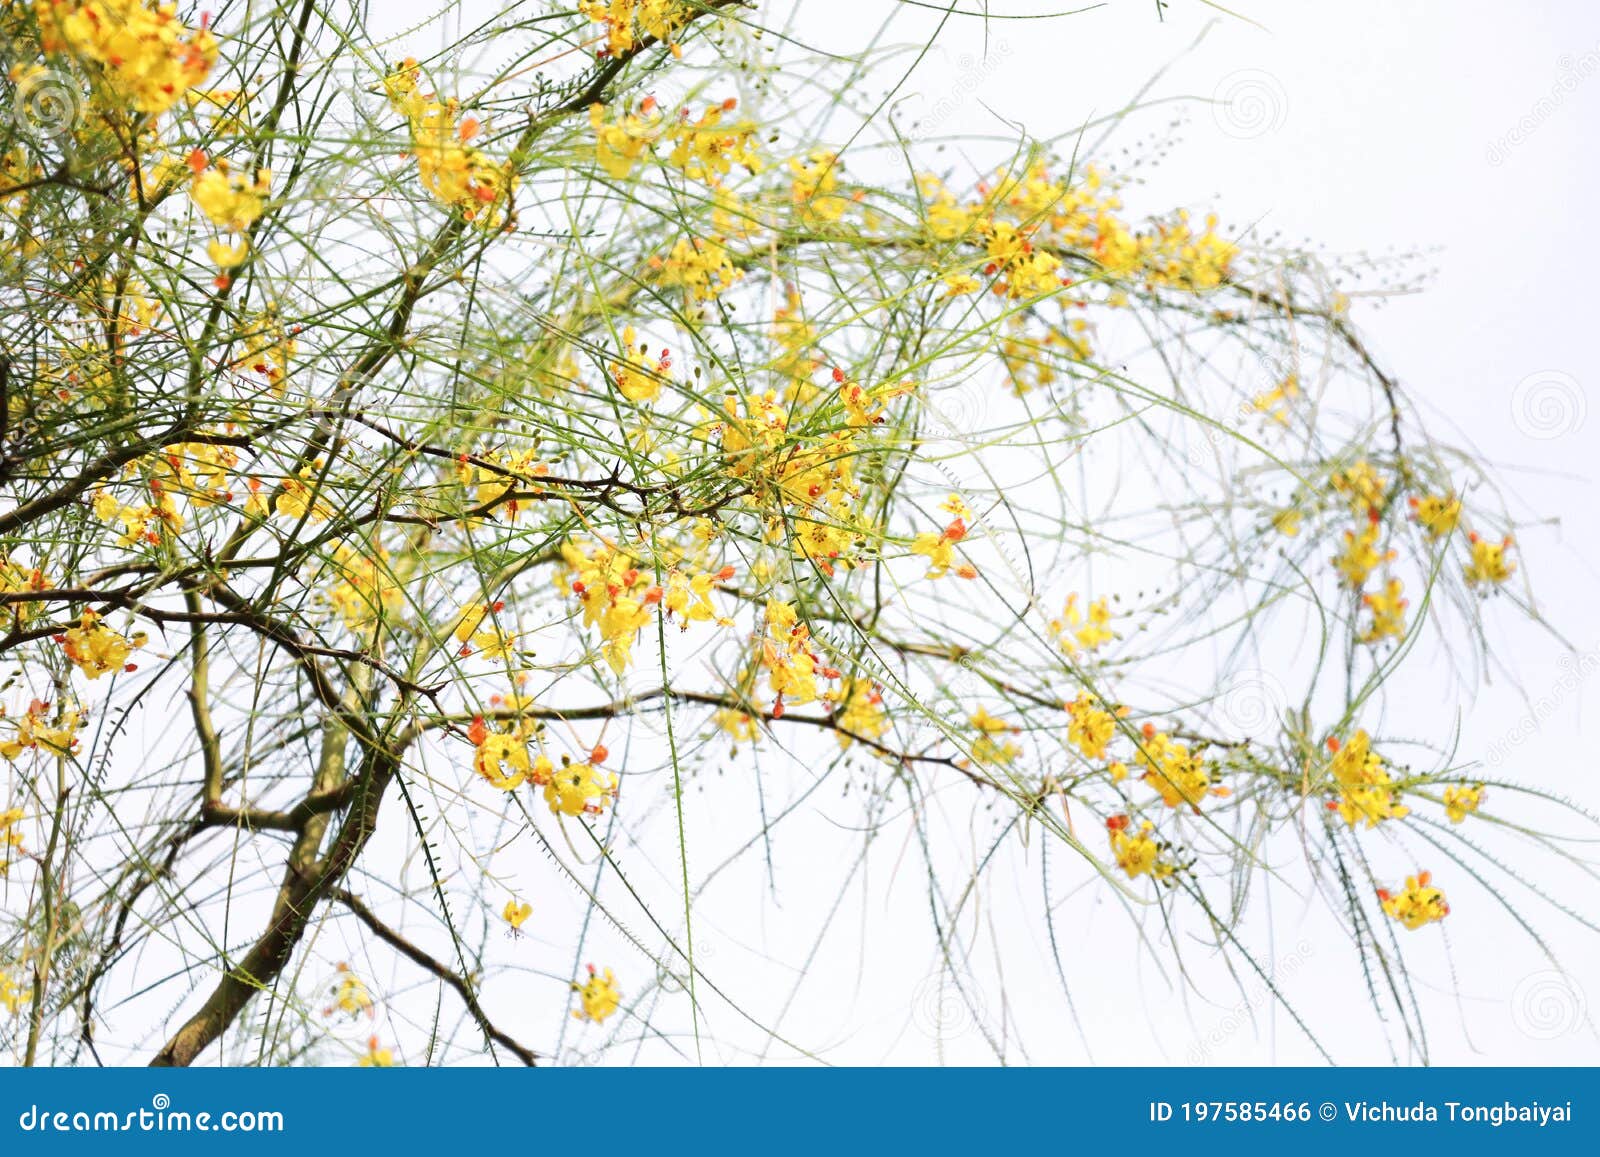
column 351, row 996
column 816, row 177
column 1272, row 402
column 1177, row 775
column 9, row 837
column 268, row 348
column 228, row 199
column 990, row 747
column 1287, row 522
column 449, row 167
column 140, row 54
column 1362, row 485
column 1388, row 614
column 1091, row 726
column 12, row 995
column 297, row 498
column 1438, row 514
column 1367, row 793
column 226, row 256
column 1489, row 563
column 707, row 148
column 95, row 648
column 365, row 590
column 375, row 1057
column 701, row 267
column 689, row 597
column 619, row 145
column 959, row 284
column 1419, row 904
column 1137, row 853
column 860, row 712
column 1360, row 556
column 577, row 788
column 939, row 550
column 516, row 914
column 1460, row 802
column 635, row 378
column 32, row 731
column 629, row 22
column 599, row 996
column 1021, row 270
column 17, row 579
column 1073, row 631
column 502, row 758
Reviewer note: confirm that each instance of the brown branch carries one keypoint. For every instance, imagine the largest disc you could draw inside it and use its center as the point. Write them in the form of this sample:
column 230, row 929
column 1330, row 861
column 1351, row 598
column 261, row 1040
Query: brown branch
column 454, row 979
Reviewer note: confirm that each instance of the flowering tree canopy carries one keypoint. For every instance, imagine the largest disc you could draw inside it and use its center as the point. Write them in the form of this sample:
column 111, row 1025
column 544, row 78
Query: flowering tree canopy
column 428, row 480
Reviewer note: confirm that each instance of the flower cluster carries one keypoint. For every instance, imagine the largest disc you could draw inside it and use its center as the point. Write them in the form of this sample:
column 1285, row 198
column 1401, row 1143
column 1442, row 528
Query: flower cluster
column 572, row 789
column 992, row 744
column 1178, row 775
column 803, row 487
column 231, row 201
column 1367, row 793
column 94, row 648
column 1074, row 630
column 34, row 730
column 1420, row 903
column 1138, row 853
column 599, row 996
column 1462, row 801
column 350, row 996
column 10, row 837
column 365, row 590
column 138, row 51
column 629, row 23
column 452, row 169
